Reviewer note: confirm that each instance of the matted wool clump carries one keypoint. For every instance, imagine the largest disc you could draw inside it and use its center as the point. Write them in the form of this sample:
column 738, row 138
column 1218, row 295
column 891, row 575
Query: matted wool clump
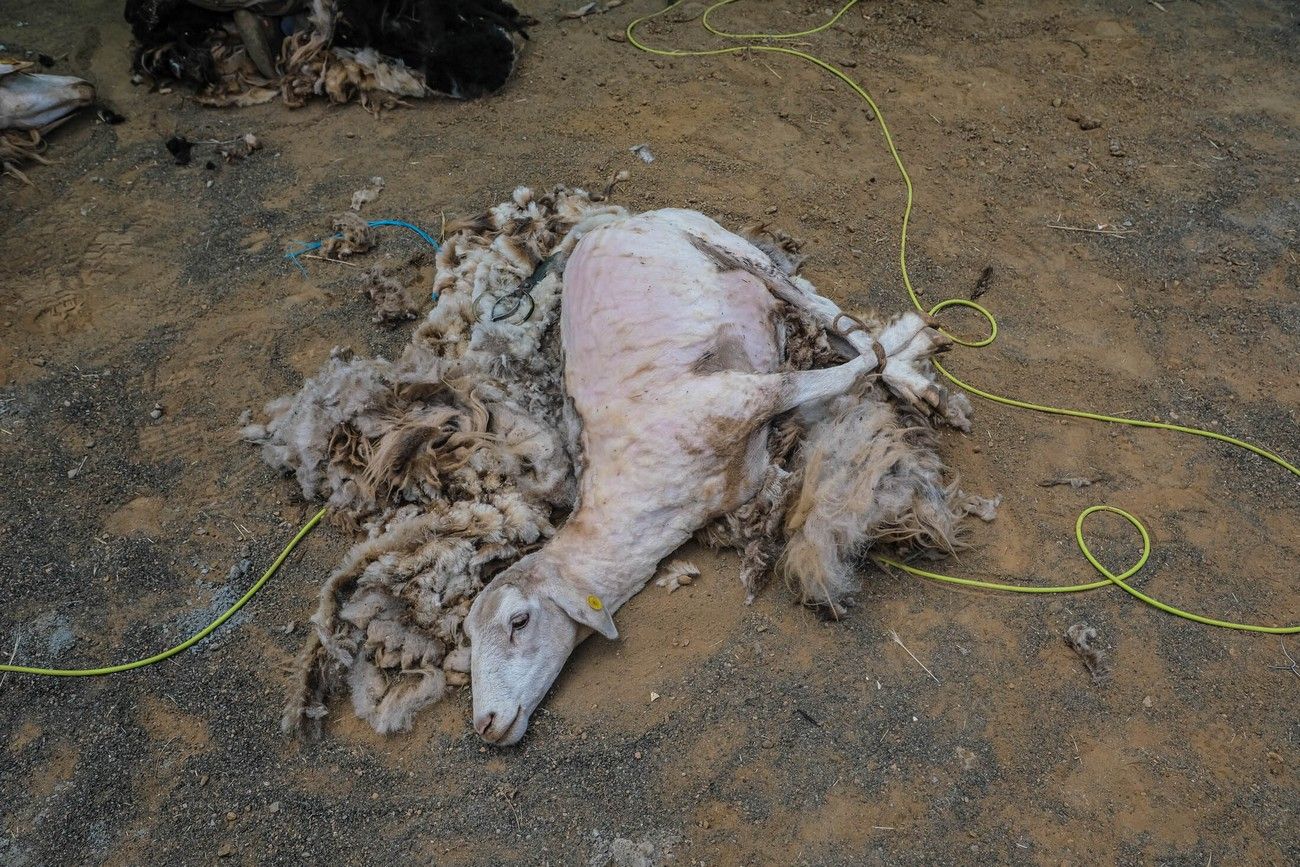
column 378, row 52
column 454, row 460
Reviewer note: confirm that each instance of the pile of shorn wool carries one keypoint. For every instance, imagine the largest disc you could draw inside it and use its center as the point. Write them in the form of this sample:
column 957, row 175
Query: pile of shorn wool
column 453, row 461
column 378, row 52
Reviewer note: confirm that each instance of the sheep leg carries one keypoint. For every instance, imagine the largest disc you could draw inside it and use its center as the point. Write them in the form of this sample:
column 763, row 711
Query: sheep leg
column 255, row 41
column 751, row 400
column 823, row 310
column 796, row 388
column 899, row 348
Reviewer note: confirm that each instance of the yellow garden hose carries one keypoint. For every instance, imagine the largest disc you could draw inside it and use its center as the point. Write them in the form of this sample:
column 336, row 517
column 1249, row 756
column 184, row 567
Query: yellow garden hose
column 762, row 42
column 193, row 639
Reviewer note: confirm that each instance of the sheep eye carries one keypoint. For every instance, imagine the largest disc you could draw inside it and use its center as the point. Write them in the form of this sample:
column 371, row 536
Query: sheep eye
column 519, row 621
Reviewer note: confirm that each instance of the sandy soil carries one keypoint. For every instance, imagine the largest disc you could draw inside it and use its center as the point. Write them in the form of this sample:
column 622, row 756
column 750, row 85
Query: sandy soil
column 127, row 281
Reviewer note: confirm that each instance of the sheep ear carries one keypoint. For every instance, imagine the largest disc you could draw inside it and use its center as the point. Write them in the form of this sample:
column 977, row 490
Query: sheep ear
column 586, row 608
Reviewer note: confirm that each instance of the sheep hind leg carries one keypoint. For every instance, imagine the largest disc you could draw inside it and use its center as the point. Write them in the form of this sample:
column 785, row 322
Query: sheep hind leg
column 798, row 293
column 900, row 348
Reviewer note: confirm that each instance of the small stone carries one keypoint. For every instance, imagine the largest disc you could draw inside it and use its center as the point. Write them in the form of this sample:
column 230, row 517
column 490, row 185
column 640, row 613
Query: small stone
column 90, row 444
column 203, row 780
column 1146, row 702
column 637, row 755
column 1056, row 102
column 768, row 744
column 156, row 412
column 274, row 808
column 616, row 36
column 226, row 850
column 654, row 696
column 760, row 629
column 231, row 816
column 1087, row 123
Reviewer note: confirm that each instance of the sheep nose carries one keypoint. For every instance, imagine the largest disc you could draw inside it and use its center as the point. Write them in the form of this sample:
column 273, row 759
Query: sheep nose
column 483, row 723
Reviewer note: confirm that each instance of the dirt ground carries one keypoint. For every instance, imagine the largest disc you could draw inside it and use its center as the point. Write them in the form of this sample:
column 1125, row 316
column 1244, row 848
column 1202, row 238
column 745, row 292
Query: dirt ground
column 127, row 281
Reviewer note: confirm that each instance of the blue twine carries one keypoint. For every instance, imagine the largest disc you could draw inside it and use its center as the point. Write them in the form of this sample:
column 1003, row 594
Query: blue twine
column 293, row 255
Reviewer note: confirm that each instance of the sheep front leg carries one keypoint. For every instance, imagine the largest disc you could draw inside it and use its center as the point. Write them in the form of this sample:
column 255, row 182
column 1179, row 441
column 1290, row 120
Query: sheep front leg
column 799, row 387
column 753, row 399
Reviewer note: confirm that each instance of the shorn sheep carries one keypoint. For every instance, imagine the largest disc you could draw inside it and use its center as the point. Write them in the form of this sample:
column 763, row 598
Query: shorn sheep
column 653, row 377
column 673, row 354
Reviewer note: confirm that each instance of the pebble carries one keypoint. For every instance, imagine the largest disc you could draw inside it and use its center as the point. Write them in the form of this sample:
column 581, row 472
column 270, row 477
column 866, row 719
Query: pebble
column 1087, row 123
column 1146, row 702
column 616, row 36
column 230, row 816
column 654, row 696
column 274, row 808
column 1056, row 102
column 156, row 412
column 226, row 850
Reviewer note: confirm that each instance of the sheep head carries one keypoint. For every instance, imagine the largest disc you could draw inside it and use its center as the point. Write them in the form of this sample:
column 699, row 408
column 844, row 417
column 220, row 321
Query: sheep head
column 522, row 628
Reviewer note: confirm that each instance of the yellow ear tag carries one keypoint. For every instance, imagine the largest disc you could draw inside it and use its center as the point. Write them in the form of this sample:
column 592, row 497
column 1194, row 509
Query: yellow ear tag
column 595, row 603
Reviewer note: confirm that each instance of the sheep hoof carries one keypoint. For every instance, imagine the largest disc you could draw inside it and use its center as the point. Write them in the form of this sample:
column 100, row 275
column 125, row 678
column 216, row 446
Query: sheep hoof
column 940, row 342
